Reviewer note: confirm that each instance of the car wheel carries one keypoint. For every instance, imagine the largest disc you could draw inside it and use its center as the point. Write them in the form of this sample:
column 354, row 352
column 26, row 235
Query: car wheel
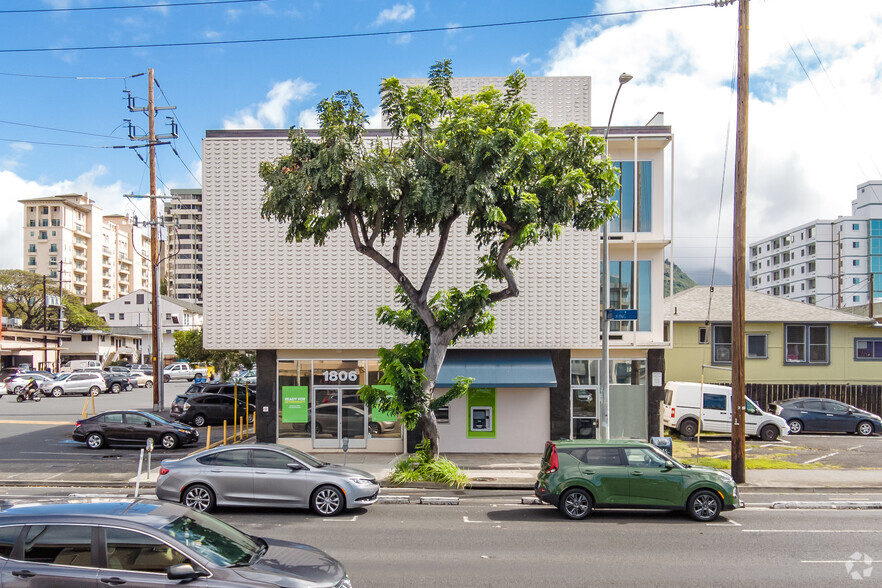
column 166, row 379
column 318, row 429
column 57, row 392
column 251, row 418
column 865, row 428
column 94, row 391
column 769, row 433
column 115, row 388
column 795, row 426
column 129, row 387
column 17, row 389
column 688, row 428
column 199, row 497
column 169, row 441
column 327, row 501
column 149, row 384
column 95, row 440
column 199, row 420
column 576, row 504
column 704, row 506
column 374, row 428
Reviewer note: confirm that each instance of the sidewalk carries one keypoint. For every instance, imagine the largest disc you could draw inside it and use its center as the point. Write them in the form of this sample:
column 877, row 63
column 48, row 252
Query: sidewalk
column 485, row 472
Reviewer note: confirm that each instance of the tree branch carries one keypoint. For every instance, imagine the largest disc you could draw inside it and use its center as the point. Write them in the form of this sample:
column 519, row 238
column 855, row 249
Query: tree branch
column 399, row 238
column 440, row 250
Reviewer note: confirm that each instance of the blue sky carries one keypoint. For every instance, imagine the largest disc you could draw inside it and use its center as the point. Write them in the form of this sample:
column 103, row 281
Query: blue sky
column 815, row 119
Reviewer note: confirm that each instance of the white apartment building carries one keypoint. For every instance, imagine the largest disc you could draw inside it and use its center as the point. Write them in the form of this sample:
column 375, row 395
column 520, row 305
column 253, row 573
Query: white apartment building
column 131, row 315
column 183, row 266
column 829, row 263
column 310, row 312
column 100, row 257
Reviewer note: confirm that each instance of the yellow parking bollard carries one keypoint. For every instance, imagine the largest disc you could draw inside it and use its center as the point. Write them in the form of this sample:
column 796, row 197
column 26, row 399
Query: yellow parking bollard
column 225, row 432
column 208, row 437
column 241, row 437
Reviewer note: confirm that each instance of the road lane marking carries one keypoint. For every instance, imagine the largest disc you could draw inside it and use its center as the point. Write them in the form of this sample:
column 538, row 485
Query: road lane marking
column 855, row 447
column 727, row 524
column 19, row 422
column 466, row 520
column 342, row 520
column 820, row 458
column 811, row 530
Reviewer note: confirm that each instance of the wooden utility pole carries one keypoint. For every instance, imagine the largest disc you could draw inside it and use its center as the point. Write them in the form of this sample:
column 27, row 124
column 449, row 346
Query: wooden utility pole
column 739, row 246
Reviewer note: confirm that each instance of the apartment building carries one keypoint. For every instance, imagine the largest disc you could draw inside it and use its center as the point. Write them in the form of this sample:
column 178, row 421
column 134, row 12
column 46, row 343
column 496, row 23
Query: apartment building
column 310, row 312
column 99, row 257
column 830, row 263
column 183, row 266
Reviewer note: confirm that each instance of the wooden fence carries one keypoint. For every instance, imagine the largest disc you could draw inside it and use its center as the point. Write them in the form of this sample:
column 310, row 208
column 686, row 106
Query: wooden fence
column 866, row 397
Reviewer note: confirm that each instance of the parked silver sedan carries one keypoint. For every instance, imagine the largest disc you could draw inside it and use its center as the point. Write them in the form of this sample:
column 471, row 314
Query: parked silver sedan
column 264, row 474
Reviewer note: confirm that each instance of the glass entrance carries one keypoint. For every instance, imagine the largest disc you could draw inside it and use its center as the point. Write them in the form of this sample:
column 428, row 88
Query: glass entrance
column 338, row 413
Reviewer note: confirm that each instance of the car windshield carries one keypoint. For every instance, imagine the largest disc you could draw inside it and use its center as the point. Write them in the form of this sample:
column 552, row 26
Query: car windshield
column 214, row 540
column 304, row 457
column 159, row 419
column 667, row 457
column 63, row 377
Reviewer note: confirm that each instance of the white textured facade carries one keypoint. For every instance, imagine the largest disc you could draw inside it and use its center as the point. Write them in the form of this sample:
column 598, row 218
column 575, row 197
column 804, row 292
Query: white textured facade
column 100, row 257
column 828, row 263
column 310, row 311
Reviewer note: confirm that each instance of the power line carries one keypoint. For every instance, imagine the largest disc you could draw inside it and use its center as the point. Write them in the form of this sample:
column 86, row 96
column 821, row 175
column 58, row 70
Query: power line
column 360, row 35
column 129, row 7
column 9, row 122
column 21, row 75
column 65, row 144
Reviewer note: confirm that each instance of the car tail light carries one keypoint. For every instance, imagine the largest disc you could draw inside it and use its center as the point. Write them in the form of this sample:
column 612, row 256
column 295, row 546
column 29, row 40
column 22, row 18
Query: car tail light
column 163, row 471
column 552, row 460
column 673, row 410
column 78, row 424
column 186, row 406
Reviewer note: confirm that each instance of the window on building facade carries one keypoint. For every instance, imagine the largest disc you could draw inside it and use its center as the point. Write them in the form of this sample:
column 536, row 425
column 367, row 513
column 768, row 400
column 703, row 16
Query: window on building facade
column 85, row 338
column 757, row 346
column 32, row 248
column 631, row 207
column 32, row 261
column 722, row 344
column 43, row 235
column 856, row 227
column 139, row 299
column 702, row 335
column 630, row 289
column 856, row 262
column 806, row 344
column 868, row 349
column 111, row 316
column 122, row 316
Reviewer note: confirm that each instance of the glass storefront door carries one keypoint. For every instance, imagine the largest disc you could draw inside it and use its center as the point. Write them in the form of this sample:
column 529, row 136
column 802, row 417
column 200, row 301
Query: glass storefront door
column 338, row 413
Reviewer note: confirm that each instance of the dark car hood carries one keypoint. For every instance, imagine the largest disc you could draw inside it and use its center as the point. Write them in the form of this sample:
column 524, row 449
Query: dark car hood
column 294, row 565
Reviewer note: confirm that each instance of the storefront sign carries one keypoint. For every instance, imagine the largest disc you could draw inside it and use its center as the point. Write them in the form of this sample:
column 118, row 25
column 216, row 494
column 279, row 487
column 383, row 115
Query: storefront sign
column 295, row 404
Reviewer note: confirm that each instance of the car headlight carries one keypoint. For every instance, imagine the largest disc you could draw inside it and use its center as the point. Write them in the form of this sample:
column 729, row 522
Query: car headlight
column 363, row 481
column 727, row 478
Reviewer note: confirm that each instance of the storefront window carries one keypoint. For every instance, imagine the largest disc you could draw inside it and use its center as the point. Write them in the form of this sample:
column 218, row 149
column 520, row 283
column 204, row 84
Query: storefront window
column 295, row 402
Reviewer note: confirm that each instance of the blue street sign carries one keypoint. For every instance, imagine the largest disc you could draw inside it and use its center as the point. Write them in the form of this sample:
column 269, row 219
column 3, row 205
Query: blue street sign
column 621, row 314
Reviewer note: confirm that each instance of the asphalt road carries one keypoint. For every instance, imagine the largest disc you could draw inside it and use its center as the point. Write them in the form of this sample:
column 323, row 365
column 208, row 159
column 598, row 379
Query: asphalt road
column 504, row 543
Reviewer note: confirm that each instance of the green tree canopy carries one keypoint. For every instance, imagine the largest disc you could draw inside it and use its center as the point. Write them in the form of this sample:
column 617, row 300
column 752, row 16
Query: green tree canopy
column 22, row 294
column 484, row 159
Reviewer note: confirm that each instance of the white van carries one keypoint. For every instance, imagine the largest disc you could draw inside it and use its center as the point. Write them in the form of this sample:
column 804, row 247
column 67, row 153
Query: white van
column 689, row 403
column 79, row 364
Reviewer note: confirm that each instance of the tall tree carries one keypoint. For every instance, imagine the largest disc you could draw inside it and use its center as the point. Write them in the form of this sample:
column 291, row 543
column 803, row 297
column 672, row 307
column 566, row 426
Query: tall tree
column 484, row 159
column 22, row 294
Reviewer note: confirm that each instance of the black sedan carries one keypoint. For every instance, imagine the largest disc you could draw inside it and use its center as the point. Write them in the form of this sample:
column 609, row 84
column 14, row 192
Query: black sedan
column 820, row 415
column 132, row 427
column 145, row 543
column 206, row 409
column 117, row 382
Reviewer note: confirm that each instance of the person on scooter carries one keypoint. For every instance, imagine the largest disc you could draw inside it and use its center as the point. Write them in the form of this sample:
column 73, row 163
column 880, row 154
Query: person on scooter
column 30, row 390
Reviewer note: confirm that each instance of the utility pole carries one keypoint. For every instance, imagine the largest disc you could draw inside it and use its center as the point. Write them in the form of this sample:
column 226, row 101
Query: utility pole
column 739, row 245
column 152, row 137
column 60, row 293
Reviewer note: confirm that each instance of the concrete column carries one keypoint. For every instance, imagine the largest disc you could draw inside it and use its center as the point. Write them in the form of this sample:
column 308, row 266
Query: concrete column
column 267, row 417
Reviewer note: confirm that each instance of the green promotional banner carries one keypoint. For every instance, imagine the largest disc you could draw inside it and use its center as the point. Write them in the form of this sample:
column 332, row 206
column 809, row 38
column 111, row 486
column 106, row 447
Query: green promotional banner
column 295, row 404
column 379, row 416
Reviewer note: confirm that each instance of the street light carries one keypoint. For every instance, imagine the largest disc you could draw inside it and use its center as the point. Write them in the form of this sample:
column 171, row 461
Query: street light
column 604, row 321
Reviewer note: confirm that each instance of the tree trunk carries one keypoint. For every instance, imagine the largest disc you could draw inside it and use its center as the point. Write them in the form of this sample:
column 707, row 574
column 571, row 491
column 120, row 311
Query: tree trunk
column 437, row 351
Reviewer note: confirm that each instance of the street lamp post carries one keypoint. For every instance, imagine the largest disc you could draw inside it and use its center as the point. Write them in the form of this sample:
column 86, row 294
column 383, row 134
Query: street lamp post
column 604, row 320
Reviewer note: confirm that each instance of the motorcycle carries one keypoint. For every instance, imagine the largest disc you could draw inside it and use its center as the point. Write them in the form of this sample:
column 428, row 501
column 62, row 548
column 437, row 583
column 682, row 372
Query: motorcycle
column 28, row 395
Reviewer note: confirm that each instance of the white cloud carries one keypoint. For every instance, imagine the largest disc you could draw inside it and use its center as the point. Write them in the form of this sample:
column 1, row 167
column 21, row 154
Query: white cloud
column 308, row 119
column 810, row 142
column 272, row 111
column 19, row 146
column 14, row 188
column 398, row 13
column 403, row 39
column 520, row 59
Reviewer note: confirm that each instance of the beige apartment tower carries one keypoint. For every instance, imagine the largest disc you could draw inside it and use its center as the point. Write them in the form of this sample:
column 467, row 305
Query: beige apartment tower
column 98, row 257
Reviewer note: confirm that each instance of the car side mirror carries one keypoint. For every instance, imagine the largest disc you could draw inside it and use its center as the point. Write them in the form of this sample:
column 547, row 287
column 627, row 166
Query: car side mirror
column 296, row 466
column 183, row 571
column 850, row 411
column 669, row 464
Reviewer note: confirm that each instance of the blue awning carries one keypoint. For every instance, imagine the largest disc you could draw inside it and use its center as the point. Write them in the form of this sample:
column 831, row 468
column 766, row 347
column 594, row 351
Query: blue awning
column 498, row 369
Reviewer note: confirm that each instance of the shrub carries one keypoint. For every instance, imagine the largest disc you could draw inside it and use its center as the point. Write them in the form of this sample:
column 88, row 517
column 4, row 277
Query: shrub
column 420, row 467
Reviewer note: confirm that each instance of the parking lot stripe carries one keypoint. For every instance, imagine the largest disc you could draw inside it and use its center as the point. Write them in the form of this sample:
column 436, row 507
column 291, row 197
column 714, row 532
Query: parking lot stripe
column 855, row 447
column 820, row 458
column 791, row 531
column 23, row 422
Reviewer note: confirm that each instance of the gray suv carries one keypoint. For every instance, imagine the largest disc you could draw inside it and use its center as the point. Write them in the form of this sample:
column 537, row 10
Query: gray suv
column 85, row 383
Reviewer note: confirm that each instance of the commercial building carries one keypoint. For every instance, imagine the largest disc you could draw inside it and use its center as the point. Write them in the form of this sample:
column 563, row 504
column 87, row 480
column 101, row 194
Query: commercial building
column 310, row 312
column 830, row 263
column 183, row 265
column 99, row 257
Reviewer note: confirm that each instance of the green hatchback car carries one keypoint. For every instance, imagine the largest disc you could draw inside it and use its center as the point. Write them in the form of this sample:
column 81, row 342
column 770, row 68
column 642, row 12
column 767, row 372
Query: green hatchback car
column 576, row 476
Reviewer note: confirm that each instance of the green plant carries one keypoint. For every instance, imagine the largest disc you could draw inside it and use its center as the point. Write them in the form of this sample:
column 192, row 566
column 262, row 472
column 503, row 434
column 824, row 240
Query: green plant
column 421, row 467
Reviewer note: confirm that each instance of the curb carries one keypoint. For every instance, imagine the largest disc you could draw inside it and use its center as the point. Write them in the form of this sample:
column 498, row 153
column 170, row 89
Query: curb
column 844, row 505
